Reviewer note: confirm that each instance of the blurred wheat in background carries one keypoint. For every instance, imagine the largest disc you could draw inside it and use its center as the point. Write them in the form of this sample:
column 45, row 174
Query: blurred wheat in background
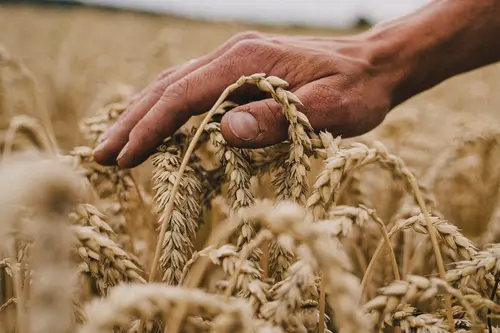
column 394, row 231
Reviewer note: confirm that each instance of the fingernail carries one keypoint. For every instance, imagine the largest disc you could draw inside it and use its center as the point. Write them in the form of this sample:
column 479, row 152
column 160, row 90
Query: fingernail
column 101, row 146
column 243, row 125
column 122, row 153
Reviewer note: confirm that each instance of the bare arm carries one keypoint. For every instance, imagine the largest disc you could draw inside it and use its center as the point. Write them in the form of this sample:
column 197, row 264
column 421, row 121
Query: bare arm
column 347, row 84
column 443, row 39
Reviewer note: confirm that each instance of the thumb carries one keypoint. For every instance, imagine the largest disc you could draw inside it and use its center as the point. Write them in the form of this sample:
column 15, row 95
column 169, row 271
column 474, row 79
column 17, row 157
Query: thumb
column 255, row 125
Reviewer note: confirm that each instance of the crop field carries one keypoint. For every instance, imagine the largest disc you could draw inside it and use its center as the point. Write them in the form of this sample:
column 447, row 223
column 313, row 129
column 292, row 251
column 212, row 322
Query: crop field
column 394, row 231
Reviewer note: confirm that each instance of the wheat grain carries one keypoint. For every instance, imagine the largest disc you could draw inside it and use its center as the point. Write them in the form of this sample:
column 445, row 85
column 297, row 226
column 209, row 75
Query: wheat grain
column 88, row 215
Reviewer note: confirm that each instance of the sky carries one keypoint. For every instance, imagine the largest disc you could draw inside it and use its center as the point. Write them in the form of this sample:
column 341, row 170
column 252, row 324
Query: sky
column 321, row 13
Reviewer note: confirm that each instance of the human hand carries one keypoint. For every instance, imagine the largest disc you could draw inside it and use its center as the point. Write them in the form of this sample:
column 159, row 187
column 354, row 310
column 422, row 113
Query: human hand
column 342, row 91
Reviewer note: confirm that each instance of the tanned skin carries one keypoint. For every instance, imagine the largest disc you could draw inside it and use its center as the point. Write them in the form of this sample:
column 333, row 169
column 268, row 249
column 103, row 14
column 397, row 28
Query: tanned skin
column 347, row 84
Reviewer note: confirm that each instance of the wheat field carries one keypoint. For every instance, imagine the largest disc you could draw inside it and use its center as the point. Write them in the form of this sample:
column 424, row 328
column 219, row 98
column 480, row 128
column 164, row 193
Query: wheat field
column 394, row 231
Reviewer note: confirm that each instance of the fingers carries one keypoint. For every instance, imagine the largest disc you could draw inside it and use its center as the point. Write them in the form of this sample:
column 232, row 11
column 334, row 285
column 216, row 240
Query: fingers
column 117, row 136
column 114, row 140
column 193, row 94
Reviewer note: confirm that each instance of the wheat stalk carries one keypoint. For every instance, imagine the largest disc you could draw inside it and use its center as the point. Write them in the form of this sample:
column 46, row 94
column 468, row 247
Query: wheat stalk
column 448, row 233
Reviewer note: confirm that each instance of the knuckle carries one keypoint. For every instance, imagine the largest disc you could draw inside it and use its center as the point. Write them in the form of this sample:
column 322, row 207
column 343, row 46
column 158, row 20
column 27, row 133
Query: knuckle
column 248, row 35
column 178, row 91
column 247, row 47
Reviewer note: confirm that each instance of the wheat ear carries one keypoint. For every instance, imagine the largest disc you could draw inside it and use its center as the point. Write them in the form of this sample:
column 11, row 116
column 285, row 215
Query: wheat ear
column 291, row 178
column 287, row 220
column 89, row 215
column 248, row 275
column 483, row 263
column 451, row 236
column 106, row 261
column 177, row 241
column 413, row 289
column 410, row 320
column 33, row 128
column 238, row 173
column 289, row 294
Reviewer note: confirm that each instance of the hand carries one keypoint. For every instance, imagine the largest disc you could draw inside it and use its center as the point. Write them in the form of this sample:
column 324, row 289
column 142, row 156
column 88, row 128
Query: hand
column 342, row 92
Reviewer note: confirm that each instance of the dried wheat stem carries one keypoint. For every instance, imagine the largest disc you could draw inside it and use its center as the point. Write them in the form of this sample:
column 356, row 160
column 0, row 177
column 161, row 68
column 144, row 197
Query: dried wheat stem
column 196, row 255
column 435, row 245
column 377, row 219
column 147, row 301
column 182, row 223
column 193, row 278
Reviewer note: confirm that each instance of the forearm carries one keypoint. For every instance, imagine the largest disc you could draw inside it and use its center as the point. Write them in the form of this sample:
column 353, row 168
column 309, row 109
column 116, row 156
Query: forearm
column 443, row 39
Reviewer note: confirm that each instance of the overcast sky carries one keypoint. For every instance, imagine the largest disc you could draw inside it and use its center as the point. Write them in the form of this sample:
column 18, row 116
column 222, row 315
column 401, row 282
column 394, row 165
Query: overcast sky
column 330, row 13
